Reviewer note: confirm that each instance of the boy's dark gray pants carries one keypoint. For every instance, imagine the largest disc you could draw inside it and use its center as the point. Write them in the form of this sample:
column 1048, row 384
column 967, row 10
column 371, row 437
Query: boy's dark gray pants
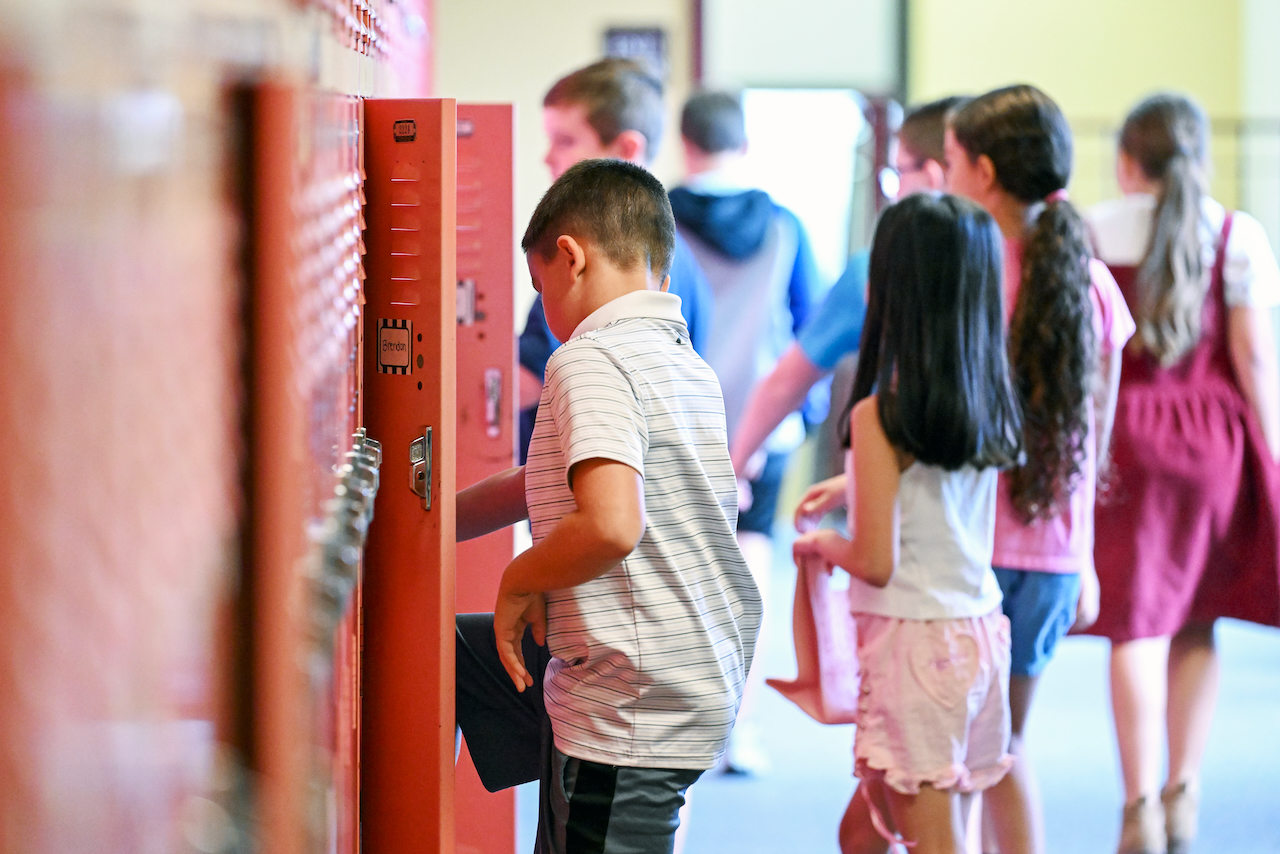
column 584, row 807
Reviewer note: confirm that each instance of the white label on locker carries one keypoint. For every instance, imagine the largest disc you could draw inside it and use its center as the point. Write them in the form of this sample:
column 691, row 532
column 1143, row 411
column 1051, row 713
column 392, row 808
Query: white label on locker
column 395, row 346
column 466, row 302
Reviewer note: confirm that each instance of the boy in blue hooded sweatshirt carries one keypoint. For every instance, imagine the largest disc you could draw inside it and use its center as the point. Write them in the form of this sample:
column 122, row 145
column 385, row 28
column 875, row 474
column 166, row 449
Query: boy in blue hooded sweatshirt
column 758, row 262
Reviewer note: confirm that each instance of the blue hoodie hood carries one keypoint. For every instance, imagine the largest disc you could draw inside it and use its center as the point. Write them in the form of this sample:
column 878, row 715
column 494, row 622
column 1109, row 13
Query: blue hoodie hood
column 734, row 224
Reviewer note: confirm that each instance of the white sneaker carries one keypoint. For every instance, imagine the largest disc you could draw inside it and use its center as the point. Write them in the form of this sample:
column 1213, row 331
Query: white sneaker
column 745, row 753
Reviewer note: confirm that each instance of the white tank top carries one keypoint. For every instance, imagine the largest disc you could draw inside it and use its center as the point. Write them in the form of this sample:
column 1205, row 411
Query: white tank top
column 946, row 524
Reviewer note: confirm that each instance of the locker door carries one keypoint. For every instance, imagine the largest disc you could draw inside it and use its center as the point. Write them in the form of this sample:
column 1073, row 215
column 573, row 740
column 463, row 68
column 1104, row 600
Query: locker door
column 487, row 426
column 302, row 523
column 407, row 719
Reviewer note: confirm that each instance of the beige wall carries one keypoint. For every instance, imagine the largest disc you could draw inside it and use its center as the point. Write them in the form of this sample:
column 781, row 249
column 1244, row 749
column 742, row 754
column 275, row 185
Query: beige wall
column 1095, row 57
column 1260, row 99
column 802, row 43
column 513, row 50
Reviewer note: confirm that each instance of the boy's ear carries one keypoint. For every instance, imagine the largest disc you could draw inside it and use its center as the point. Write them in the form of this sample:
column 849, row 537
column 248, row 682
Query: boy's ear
column 934, row 174
column 987, row 171
column 631, row 146
column 577, row 255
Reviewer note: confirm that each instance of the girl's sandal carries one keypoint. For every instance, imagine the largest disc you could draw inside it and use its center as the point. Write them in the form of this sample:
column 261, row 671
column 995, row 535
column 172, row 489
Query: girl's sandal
column 1181, row 813
column 1142, row 830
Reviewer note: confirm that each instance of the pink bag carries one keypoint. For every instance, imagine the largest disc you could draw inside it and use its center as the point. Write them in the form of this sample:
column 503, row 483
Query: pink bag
column 826, row 683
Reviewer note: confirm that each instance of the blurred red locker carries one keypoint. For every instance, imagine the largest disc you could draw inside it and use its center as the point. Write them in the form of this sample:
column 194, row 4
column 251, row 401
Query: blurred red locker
column 487, row 426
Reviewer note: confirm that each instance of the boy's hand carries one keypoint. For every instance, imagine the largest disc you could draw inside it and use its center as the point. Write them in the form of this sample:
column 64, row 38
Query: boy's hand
column 512, row 614
column 585, row 544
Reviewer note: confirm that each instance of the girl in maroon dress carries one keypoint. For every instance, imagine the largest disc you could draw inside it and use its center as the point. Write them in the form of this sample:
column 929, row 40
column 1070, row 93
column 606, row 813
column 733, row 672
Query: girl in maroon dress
column 1191, row 528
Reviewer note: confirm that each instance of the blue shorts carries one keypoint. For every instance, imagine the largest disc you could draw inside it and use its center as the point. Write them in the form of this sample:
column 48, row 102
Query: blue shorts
column 1041, row 606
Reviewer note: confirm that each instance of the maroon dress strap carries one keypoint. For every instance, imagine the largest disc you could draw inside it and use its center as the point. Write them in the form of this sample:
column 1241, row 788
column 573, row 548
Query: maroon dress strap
column 1215, row 353
column 1218, row 279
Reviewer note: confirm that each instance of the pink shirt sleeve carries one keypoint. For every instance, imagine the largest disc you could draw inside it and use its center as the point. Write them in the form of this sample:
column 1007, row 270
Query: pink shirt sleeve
column 1112, row 322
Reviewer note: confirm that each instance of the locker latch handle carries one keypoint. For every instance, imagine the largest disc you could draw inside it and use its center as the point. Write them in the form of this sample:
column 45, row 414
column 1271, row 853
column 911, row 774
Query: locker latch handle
column 493, row 402
column 420, row 454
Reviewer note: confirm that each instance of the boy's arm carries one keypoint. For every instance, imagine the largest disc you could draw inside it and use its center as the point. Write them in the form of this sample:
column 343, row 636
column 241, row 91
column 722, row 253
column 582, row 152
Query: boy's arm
column 589, row 541
column 490, row 505
column 773, row 399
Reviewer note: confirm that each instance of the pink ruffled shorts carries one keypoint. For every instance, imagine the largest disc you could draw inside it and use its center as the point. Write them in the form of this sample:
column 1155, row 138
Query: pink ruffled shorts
column 934, row 702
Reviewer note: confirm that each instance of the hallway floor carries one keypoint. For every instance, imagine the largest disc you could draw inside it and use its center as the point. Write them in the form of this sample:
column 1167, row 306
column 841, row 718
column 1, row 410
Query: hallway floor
column 797, row 805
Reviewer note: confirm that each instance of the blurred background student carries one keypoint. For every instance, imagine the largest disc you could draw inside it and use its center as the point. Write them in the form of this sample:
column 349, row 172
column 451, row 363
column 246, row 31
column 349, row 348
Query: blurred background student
column 611, row 108
column 835, row 326
column 764, row 281
column 1191, row 530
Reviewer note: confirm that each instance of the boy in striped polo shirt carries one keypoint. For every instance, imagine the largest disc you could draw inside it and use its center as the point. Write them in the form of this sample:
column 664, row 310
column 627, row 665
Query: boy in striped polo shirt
column 635, row 582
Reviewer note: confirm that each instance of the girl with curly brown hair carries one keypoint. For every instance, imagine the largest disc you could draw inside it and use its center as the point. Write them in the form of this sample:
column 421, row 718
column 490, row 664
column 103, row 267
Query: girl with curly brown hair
column 1010, row 151
column 1191, row 531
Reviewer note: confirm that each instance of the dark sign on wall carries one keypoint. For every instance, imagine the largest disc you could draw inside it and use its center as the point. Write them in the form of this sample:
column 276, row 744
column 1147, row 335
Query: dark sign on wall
column 646, row 45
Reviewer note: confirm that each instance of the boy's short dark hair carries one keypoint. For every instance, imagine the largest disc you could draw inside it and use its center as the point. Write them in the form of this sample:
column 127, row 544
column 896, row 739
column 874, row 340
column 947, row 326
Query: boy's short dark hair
column 619, row 207
column 924, row 127
column 713, row 121
column 617, row 94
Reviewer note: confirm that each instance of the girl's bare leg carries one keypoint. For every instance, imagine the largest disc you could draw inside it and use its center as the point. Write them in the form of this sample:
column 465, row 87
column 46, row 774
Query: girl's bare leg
column 1139, row 688
column 1013, row 805
column 933, row 819
column 857, row 834
column 1193, row 694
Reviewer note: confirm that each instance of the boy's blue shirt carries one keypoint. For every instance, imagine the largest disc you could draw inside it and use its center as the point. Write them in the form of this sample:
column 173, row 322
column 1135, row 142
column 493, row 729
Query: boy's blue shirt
column 834, row 329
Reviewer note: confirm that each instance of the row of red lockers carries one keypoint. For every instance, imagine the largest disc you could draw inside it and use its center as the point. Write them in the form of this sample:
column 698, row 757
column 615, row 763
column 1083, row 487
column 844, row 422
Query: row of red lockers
column 187, row 360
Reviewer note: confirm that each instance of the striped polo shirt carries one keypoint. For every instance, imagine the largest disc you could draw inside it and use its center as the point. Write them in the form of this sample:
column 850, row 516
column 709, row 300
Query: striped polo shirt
column 649, row 659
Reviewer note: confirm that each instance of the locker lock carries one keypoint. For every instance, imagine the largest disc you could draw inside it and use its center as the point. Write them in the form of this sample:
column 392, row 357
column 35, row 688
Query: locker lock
column 420, row 454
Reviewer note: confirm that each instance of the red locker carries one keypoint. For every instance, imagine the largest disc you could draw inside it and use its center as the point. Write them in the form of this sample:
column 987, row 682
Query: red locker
column 487, row 399
column 183, row 368
column 304, row 289
column 407, row 716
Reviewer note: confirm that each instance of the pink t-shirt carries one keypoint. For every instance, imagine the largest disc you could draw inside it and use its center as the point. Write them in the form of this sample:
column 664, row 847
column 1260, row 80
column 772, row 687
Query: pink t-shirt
column 1063, row 543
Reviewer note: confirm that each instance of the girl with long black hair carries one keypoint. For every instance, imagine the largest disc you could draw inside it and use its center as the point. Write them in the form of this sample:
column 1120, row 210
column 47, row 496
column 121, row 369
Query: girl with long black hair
column 931, row 420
